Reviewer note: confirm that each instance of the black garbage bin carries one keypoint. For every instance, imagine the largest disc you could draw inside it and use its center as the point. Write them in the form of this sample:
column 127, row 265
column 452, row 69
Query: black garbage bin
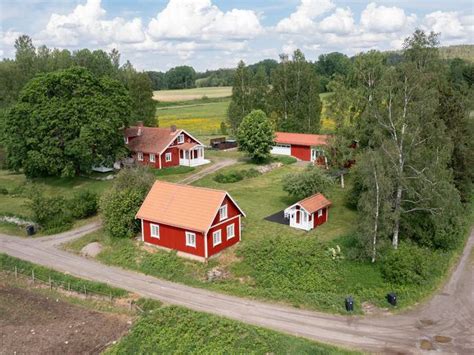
column 392, row 298
column 30, row 230
column 349, row 304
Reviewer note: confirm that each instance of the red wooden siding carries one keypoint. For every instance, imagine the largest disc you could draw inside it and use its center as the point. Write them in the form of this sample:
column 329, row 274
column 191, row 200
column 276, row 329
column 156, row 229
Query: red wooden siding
column 317, row 221
column 174, row 157
column 301, row 152
column 187, row 139
column 232, row 210
column 174, row 238
column 225, row 242
column 146, row 160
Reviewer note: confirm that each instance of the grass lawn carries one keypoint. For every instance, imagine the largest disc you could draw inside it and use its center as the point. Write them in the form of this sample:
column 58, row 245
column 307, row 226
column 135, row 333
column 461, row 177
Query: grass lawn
column 192, row 94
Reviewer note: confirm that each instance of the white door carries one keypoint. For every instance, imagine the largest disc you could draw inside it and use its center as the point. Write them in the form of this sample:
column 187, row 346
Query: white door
column 281, row 149
column 313, row 154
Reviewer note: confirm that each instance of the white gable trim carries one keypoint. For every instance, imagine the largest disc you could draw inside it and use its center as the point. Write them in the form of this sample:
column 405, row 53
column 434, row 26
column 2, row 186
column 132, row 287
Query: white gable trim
column 217, row 211
column 176, row 135
column 297, row 204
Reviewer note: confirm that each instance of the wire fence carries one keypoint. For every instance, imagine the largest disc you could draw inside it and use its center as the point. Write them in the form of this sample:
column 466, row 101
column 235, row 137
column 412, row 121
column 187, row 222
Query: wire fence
column 37, row 278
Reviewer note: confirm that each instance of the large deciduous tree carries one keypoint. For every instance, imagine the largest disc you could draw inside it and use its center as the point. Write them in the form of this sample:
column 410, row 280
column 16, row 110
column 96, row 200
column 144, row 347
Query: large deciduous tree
column 255, row 136
column 65, row 122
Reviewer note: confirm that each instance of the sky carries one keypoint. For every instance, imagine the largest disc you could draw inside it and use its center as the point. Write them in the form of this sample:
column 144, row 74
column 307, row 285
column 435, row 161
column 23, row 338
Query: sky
column 211, row 34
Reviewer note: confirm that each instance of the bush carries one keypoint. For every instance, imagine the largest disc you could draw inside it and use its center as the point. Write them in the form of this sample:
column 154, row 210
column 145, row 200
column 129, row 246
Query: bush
column 120, row 204
column 409, row 264
column 312, row 180
column 50, row 212
column 236, row 175
column 84, row 204
column 285, row 160
column 3, row 191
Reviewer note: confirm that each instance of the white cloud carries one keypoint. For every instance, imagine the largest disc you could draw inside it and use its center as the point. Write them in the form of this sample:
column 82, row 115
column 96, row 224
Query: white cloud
column 303, row 18
column 446, row 23
column 200, row 19
column 384, row 19
column 340, row 22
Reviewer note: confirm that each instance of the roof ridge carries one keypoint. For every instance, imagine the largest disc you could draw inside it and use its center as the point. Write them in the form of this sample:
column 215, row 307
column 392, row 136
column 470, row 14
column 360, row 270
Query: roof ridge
column 314, row 195
column 191, row 186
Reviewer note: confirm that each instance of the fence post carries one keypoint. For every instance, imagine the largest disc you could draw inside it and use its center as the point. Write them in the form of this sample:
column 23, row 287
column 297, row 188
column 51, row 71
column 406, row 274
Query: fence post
column 69, row 286
column 50, row 284
column 85, row 290
column 110, row 294
column 33, row 275
column 130, row 304
column 16, row 272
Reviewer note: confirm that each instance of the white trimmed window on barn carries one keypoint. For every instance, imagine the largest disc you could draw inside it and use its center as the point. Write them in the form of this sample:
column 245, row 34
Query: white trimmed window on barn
column 230, row 231
column 180, row 139
column 190, row 239
column 223, row 212
column 168, row 157
column 155, row 231
column 140, row 156
column 152, row 158
column 216, row 238
column 320, row 213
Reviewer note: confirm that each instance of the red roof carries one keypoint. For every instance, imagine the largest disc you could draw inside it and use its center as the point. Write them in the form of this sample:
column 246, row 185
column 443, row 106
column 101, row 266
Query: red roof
column 182, row 206
column 301, row 138
column 314, row 203
column 150, row 139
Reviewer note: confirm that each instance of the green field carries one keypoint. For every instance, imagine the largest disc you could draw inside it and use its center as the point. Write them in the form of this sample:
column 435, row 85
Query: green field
column 192, row 94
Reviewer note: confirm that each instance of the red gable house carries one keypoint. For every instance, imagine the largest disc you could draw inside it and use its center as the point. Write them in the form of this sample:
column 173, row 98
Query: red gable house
column 308, row 213
column 307, row 147
column 197, row 222
column 163, row 147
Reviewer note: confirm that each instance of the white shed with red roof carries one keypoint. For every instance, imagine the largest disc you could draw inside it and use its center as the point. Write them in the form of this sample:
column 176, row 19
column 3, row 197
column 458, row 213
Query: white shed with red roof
column 309, row 212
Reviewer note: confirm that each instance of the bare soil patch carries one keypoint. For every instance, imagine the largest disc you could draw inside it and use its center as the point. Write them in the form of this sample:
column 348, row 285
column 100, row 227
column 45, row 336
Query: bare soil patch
column 33, row 323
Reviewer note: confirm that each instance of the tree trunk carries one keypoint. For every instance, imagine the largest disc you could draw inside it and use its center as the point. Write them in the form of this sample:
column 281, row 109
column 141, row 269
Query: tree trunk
column 376, row 221
column 342, row 180
column 396, row 227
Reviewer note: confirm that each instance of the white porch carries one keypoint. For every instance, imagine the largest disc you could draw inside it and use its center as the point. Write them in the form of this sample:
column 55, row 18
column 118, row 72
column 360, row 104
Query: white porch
column 299, row 218
column 192, row 154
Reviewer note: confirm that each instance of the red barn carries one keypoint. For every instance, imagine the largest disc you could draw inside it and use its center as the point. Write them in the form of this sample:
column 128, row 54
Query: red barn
column 163, row 147
column 197, row 222
column 309, row 213
column 307, row 147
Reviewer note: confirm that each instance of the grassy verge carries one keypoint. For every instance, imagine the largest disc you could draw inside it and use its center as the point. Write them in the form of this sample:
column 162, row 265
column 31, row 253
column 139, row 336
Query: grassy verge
column 8, row 263
column 178, row 330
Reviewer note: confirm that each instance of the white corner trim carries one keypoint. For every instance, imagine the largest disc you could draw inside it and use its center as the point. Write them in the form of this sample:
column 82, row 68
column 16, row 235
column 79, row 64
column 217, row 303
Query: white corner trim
column 240, row 229
column 206, row 253
column 143, row 231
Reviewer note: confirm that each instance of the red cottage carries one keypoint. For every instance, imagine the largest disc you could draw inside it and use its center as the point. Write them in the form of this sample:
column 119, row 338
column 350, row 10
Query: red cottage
column 163, row 147
column 307, row 147
column 308, row 213
column 197, row 222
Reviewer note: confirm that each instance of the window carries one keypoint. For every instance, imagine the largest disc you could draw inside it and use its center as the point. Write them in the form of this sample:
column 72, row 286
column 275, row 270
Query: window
column 216, row 238
column 230, row 231
column 282, row 145
column 140, row 156
column 152, row 158
column 190, row 239
column 181, row 138
column 168, row 157
column 223, row 212
column 125, row 140
column 320, row 213
column 155, row 231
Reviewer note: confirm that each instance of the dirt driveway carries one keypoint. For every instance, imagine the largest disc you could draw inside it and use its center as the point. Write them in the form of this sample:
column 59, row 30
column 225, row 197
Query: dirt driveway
column 209, row 170
column 31, row 323
column 445, row 323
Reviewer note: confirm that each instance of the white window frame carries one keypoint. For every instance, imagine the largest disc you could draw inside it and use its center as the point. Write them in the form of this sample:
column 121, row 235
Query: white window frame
column 140, row 156
column 168, row 157
column 152, row 158
column 154, row 228
column 180, row 139
column 215, row 234
column 230, row 227
column 320, row 213
column 125, row 140
column 222, row 212
column 191, row 239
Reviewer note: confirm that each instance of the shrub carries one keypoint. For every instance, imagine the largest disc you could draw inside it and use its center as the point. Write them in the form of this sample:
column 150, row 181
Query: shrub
column 285, row 160
column 84, row 204
column 307, row 183
column 235, row 175
column 50, row 212
column 409, row 264
column 120, row 204
column 3, row 191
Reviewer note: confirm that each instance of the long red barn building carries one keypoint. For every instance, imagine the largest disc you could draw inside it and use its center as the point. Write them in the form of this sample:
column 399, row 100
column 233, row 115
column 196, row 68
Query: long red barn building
column 306, row 147
column 197, row 222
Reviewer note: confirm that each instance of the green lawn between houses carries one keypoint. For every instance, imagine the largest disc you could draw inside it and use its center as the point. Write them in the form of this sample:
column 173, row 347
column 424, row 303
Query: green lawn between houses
column 275, row 262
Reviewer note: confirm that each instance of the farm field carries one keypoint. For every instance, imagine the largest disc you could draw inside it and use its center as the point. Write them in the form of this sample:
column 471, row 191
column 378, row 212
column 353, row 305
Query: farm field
column 273, row 261
column 192, row 94
column 71, row 323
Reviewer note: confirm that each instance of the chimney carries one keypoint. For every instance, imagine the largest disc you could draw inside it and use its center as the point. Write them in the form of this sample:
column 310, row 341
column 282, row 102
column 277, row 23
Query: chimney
column 173, row 128
column 140, row 126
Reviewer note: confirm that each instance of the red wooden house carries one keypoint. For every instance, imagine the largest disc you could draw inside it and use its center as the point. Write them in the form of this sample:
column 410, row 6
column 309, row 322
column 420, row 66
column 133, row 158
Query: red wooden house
column 197, row 222
column 306, row 147
column 308, row 213
column 163, row 147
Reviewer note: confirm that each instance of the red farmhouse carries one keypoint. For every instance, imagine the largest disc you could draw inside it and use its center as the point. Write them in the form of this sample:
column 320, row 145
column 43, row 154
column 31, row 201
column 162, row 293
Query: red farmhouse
column 163, row 147
column 197, row 222
column 307, row 147
column 308, row 213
